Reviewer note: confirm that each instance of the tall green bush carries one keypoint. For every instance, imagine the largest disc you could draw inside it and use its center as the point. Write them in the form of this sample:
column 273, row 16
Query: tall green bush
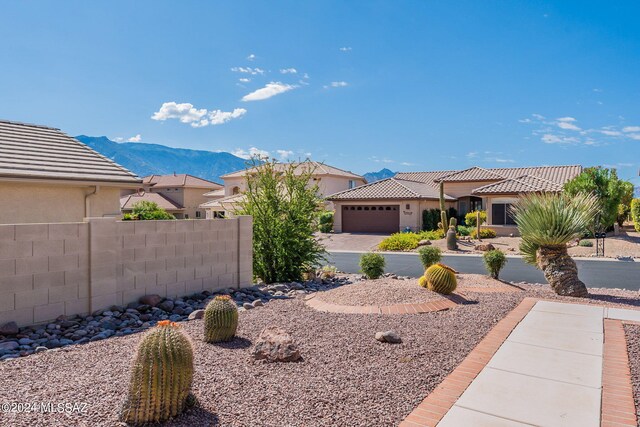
column 325, row 221
column 635, row 213
column 429, row 255
column 284, row 208
column 431, row 218
column 372, row 265
column 147, row 211
column 470, row 219
column 494, row 261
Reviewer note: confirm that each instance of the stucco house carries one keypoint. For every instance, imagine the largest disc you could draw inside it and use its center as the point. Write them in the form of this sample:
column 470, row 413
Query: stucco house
column 397, row 203
column 329, row 180
column 179, row 194
column 47, row 176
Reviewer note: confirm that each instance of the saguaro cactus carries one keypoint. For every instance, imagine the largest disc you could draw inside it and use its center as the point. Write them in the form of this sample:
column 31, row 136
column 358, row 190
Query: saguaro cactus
column 452, row 241
column 161, row 379
column 220, row 319
column 443, row 212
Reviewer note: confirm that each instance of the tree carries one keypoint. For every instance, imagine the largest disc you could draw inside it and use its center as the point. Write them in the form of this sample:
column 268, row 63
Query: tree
column 284, row 206
column 145, row 210
column 547, row 222
column 607, row 188
column 624, row 208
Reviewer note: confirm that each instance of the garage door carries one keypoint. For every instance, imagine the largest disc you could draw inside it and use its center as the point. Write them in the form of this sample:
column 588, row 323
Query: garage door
column 371, row 219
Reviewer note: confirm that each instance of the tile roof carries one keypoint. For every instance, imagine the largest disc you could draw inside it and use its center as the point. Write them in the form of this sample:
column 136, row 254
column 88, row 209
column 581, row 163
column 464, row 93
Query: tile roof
column 220, row 203
column 390, row 188
column 215, row 193
column 180, row 180
column 320, row 169
column 39, row 152
column 475, row 173
column 521, row 184
column 127, row 202
column 425, row 177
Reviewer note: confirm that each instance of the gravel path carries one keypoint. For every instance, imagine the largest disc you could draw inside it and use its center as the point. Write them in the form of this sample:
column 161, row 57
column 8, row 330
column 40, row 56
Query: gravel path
column 383, row 291
column 347, row 378
column 633, row 346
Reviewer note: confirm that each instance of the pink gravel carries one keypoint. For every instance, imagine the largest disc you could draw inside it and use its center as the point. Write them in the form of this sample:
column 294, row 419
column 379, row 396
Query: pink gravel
column 632, row 333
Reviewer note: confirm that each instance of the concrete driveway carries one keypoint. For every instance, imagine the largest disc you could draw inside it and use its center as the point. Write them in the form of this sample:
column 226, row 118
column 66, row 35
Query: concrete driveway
column 351, row 241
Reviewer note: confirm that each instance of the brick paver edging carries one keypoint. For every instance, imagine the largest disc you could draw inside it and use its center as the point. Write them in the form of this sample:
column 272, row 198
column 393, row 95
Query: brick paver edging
column 450, row 301
column 618, row 406
column 441, row 399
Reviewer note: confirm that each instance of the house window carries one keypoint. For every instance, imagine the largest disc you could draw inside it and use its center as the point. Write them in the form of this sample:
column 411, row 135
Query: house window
column 501, row 214
column 186, row 216
column 235, row 190
column 198, row 214
column 407, row 206
column 352, row 184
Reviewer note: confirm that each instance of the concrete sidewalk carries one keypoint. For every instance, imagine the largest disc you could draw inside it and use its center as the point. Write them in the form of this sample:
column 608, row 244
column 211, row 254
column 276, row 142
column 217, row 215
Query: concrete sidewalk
column 548, row 372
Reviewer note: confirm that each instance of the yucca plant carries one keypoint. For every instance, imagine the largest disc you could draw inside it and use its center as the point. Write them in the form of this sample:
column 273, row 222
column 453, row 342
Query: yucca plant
column 547, row 222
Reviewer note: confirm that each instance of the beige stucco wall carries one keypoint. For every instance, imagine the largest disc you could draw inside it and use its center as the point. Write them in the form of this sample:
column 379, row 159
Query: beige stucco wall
column 45, row 203
column 51, row 269
column 501, row 230
column 461, row 189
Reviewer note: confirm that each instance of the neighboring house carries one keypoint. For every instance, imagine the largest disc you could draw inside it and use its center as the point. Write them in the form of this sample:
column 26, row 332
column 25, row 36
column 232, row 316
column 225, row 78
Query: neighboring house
column 397, row 203
column 329, row 180
column 47, row 176
column 179, row 194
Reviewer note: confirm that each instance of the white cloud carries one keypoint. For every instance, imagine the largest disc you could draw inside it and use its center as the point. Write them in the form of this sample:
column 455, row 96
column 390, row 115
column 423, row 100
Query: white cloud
column 271, row 89
column 244, row 80
column 252, row 152
column 136, row 138
column 567, row 123
column 195, row 117
column 631, row 129
column 610, row 132
column 118, row 139
column 248, row 70
column 548, row 138
column 305, row 76
column 538, row 116
column 288, row 71
column 501, row 160
column 345, row 49
column 635, row 136
column 251, row 57
column 472, row 154
column 284, row 154
column 336, row 84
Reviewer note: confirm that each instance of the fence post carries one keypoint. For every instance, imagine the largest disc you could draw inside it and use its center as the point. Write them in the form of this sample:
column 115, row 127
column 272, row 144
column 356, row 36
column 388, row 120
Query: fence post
column 245, row 250
column 103, row 256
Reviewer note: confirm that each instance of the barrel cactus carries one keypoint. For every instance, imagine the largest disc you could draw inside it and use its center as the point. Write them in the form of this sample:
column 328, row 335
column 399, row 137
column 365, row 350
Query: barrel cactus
column 422, row 281
column 161, row 378
column 220, row 319
column 441, row 279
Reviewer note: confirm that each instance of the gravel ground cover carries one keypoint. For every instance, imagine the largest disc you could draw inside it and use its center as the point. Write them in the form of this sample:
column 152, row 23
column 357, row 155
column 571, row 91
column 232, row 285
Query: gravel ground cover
column 632, row 333
column 482, row 281
column 383, row 291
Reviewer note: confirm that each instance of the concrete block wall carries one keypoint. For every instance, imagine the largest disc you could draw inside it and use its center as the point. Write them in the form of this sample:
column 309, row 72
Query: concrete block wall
column 51, row 269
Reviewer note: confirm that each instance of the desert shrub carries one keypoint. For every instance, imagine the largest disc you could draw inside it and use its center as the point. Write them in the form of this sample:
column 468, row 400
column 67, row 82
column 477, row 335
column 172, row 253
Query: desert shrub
column 325, row 221
column 585, row 243
column 372, row 265
column 284, row 208
column 470, row 218
column 328, row 272
column 429, row 255
column 464, row 230
column 431, row 235
column 128, row 217
column 400, row 242
column 431, row 218
column 494, row 261
column 147, row 211
column 485, row 233
column 635, row 213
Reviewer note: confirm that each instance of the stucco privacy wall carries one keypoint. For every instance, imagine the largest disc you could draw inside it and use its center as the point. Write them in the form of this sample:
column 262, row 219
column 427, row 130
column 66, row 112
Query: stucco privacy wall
column 51, row 269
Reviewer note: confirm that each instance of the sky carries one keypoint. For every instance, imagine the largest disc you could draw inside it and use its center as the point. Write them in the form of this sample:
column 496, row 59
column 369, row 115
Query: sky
column 361, row 85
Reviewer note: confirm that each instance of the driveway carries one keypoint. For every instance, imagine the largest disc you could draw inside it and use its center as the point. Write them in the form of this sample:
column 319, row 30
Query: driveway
column 351, row 241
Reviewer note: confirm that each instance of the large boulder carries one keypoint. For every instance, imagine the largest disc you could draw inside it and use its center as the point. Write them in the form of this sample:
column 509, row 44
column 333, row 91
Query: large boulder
column 9, row 328
column 275, row 345
column 484, row 247
column 151, row 300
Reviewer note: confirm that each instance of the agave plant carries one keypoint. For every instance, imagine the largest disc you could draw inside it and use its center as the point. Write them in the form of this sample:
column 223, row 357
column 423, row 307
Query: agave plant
column 547, row 222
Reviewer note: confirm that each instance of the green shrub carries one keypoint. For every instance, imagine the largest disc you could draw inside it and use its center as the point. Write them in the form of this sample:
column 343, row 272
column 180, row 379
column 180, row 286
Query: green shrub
column 635, row 213
column 585, row 243
column 494, row 261
column 148, row 211
column 399, row 242
column 431, row 218
column 372, row 265
column 464, row 230
column 431, row 235
column 429, row 255
column 485, row 233
column 325, row 221
column 284, row 208
column 470, row 218
column 128, row 217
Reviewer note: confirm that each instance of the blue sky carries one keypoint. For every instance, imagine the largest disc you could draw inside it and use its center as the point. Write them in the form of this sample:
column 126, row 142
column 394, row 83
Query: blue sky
column 413, row 85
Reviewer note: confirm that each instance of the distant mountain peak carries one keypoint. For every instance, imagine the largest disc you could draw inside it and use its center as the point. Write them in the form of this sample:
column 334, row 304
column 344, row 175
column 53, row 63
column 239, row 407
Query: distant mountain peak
column 377, row 176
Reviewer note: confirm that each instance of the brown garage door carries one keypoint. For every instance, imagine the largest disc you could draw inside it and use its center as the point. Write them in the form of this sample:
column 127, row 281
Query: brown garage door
column 371, row 219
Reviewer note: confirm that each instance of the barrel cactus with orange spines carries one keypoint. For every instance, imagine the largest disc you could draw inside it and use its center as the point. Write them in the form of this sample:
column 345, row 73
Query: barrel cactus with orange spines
column 160, row 385
column 441, row 279
column 220, row 319
column 422, row 281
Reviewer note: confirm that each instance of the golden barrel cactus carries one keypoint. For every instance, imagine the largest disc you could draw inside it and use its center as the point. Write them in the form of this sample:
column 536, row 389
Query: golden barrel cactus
column 441, row 279
column 161, row 378
column 220, row 319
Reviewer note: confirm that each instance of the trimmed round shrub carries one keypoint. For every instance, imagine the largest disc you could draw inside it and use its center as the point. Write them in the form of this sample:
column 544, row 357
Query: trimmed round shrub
column 441, row 279
column 485, row 233
column 325, row 221
column 400, row 242
column 429, row 255
column 470, row 218
column 372, row 265
column 494, row 261
column 585, row 243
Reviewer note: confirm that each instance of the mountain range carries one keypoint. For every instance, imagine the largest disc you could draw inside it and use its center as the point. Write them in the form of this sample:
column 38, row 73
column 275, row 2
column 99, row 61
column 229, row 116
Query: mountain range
column 377, row 176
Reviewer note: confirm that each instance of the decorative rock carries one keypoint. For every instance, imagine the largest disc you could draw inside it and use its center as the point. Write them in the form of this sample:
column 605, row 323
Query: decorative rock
column 166, row 305
column 257, row 303
column 484, row 247
column 150, row 300
column 9, row 328
column 9, row 345
column 247, row 306
column 40, row 349
column 424, row 242
column 390, row 337
column 275, row 345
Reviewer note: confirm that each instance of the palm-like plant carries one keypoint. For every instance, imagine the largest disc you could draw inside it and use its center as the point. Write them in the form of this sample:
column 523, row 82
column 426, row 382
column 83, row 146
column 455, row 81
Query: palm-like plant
column 547, row 222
